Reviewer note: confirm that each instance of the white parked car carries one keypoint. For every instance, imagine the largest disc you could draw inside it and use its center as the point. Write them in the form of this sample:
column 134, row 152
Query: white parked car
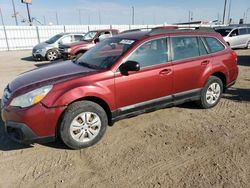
column 236, row 37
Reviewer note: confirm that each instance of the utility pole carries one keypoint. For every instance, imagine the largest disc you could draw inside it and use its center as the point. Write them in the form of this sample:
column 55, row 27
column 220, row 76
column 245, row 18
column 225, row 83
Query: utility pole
column 28, row 10
column 14, row 12
column 133, row 15
column 229, row 12
column 99, row 15
column 44, row 20
column 1, row 16
column 224, row 12
column 57, row 22
column 247, row 14
column 80, row 16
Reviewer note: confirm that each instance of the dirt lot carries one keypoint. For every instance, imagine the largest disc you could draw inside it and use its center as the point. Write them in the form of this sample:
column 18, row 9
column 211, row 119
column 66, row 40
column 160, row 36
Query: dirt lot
column 176, row 147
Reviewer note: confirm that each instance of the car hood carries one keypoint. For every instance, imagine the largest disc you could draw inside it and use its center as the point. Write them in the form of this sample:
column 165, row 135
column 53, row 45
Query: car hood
column 48, row 75
column 41, row 45
column 75, row 44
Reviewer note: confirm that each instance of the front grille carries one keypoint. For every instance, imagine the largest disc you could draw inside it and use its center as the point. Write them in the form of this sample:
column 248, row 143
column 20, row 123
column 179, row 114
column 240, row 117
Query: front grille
column 61, row 50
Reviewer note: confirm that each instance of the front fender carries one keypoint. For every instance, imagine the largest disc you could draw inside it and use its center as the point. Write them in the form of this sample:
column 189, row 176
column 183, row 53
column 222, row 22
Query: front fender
column 62, row 95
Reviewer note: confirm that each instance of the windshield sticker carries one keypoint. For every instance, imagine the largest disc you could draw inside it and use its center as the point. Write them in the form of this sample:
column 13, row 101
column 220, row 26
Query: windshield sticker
column 127, row 41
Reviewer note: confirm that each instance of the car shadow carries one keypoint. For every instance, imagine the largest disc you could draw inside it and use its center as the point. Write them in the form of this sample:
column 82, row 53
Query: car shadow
column 29, row 58
column 234, row 94
column 47, row 63
column 237, row 94
column 244, row 60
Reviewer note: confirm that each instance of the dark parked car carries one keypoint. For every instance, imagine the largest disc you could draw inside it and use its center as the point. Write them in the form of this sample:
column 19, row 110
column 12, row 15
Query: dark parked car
column 120, row 77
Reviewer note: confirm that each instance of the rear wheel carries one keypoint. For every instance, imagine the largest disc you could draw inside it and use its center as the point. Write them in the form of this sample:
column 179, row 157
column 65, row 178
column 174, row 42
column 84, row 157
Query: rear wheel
column 83, row 124
column 52, row 55
column 211, row 93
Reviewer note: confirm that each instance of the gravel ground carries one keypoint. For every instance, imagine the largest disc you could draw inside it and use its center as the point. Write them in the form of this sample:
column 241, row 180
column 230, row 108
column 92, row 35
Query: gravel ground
column 181, row 146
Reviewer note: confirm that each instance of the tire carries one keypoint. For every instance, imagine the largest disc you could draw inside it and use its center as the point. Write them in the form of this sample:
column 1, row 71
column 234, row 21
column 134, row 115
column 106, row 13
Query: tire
column 248, row 45
column 52, row 55
column 77, row 134
column 79, row 54
column 211, row 93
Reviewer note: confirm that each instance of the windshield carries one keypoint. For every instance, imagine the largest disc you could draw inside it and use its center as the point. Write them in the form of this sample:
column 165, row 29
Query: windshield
column 89, row 36
column 54, row 39
column 105, row 53
column 223, row 32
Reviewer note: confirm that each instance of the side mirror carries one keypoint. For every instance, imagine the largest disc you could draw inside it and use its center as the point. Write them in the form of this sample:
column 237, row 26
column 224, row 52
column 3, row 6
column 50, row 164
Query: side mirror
column 96, row 40
column 129, row 66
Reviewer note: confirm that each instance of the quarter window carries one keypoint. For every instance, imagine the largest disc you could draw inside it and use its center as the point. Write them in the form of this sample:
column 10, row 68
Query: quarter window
column 153, row 52
column 185, row 47
column 243, row 31
column 214, row 45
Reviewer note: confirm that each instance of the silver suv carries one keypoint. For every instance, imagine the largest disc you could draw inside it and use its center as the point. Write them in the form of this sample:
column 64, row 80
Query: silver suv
column 236, row 37
column 48, row 50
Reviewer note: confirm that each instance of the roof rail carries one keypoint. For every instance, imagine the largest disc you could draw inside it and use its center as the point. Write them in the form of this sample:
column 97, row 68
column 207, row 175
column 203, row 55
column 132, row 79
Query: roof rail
column 163, row 30
column 134, row 30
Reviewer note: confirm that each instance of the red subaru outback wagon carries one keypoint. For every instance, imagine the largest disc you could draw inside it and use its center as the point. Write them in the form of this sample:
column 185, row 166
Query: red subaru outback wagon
column 121, row 77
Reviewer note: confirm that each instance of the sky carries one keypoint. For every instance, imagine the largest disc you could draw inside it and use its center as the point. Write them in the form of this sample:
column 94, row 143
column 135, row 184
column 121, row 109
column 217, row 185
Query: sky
column 120, row 11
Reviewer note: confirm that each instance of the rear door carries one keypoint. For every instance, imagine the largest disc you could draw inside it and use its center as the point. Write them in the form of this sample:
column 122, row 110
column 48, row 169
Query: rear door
column 190, row 59
column 244, row 37
column 149, row 85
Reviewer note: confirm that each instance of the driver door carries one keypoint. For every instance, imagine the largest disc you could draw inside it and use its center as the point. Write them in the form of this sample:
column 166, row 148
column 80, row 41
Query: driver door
column 152, row 83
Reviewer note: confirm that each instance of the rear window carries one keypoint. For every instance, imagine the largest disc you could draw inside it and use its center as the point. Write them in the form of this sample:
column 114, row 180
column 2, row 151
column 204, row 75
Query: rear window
column 185, row 47
column 214, row 44
column 223, row 32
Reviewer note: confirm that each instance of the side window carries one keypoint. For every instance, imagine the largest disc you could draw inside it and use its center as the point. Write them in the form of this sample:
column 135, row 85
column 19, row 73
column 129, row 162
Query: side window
column 214, row 45
column 77, row 37
column 243, row 31
column 151, row 53
column 248, row 30
column 185, row 47
column 234, row 33
column 203, row 50
column 66, row 39
column 104, row 35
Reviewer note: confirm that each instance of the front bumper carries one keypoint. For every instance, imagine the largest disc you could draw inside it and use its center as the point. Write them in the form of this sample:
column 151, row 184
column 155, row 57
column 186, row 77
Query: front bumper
column 21, row 133
column 34, row 124
column 41, row 55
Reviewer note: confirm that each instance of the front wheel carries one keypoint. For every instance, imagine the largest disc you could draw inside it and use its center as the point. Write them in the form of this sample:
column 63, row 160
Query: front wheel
column 83, row 124
column 52, row 55
column 211, row 93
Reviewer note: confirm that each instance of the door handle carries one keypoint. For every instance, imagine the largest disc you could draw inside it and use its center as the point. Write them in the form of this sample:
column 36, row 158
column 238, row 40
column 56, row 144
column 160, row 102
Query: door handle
column 165, row 72
column 206, row 62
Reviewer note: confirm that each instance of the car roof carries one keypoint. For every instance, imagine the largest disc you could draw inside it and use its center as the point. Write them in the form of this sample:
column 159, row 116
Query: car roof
column 70, row 33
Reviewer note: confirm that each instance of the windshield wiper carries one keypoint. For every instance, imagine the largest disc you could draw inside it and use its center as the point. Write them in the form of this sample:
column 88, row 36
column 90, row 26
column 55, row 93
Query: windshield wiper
column 91, row 66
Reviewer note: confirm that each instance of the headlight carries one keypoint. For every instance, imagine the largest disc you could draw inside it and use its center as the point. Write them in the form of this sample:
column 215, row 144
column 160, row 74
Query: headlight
column 67, row 50
column 32, row 97
column 39, row 50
